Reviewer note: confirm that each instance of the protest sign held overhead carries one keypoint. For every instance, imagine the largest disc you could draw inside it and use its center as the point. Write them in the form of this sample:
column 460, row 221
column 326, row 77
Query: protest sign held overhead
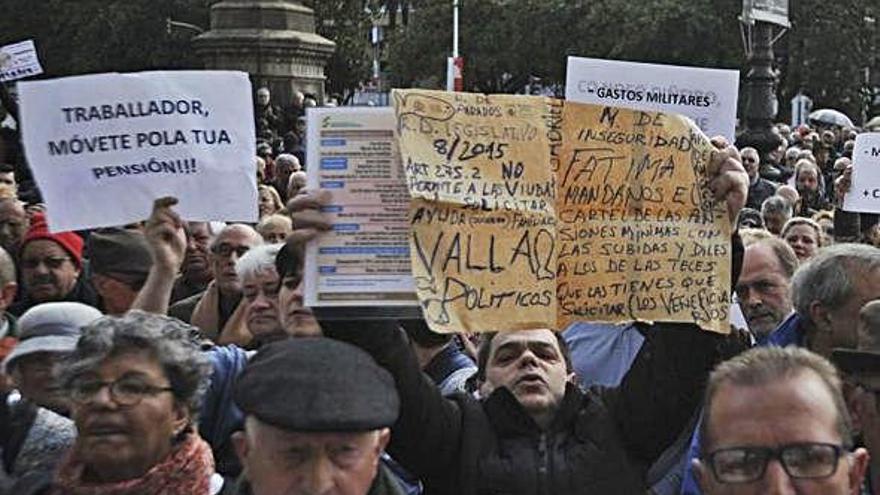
column 864, row 195
column 103, row 147
column 530, row 212
column 482, row 212
column 364, row 260
column 706, row 96
column 18, row 61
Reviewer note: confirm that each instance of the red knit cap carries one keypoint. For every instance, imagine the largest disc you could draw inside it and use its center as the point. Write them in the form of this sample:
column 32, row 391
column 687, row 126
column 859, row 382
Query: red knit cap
column 70, row 241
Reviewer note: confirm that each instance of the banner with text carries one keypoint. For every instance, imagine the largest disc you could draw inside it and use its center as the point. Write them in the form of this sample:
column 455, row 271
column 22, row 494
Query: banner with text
column 103, row 147
column 772, row 11
column 530, row 212
column 364, row 259
column 18, row 61
column 706, row 96
column 864, row 195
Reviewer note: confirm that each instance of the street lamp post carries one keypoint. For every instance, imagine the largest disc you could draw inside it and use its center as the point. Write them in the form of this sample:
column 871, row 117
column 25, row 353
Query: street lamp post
column 761, row 103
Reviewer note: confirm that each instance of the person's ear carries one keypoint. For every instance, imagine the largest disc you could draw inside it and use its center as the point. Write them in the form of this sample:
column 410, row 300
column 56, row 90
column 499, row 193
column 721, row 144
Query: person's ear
column 820, row 336
column 181, row 418
column 240, row 444
column 858, row 468
column 384, row 438
column 99, row 283
column 701, row 474
column 7, row 293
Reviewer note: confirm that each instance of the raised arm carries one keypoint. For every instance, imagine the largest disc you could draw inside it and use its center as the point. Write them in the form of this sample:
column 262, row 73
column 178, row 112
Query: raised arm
column 167, row 240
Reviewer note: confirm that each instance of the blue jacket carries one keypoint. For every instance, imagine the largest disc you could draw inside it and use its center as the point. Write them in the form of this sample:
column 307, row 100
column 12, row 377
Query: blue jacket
column 219, row 417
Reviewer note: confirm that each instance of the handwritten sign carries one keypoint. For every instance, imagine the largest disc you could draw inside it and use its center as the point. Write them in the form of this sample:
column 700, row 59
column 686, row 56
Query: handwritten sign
column 640, row 235
column 103, row 147
column 530, row 212
column 707, row 96
column 18, row 61
column 864, row 195
column 483, row 211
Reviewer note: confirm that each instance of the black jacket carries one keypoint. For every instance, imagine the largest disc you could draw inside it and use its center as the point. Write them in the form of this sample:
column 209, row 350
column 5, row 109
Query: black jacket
column 601, row 441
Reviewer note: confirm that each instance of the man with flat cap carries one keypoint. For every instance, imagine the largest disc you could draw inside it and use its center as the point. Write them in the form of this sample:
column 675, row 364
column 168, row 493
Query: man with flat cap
column 120, row 261
column 312, row 427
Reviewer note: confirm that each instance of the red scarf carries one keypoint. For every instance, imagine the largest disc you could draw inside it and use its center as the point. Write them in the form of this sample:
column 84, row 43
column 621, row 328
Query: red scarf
column 186, row 471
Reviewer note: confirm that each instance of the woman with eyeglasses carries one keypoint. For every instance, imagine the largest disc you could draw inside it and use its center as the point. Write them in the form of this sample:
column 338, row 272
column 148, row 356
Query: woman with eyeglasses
column 135, row 384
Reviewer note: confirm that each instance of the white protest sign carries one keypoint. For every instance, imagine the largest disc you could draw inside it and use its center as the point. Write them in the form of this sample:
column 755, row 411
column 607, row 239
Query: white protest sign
column 864, row 195
column 103, row 147
column 772, row 11
column 19, row 60
column 706, row 96
column 364, row 259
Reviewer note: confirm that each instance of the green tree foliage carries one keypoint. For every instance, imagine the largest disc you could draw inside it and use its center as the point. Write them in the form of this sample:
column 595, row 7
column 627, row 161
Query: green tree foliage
column 84, row 36
column 87, row 36
column 827, row 51
column 505, row 41
column 347, row 23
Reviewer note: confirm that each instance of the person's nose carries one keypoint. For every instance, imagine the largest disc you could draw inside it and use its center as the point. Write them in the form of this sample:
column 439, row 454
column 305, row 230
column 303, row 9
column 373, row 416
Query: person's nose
column 102, row 399
column 776, row 481
column 261, row 301
column 42, row 268
column 319, row 479
column 750, row 298
column 528, row 359
column 299, row 292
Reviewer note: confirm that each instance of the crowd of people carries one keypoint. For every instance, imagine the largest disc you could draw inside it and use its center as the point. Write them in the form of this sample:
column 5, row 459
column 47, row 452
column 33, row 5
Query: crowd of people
column 174, row 357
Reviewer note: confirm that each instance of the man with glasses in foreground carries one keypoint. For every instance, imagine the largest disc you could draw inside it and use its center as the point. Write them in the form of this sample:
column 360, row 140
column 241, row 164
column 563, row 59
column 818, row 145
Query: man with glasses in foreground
column 775, row 421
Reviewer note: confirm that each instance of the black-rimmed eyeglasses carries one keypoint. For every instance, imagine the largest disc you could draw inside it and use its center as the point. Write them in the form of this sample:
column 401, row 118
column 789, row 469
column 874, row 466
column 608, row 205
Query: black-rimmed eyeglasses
column 800, row 461
column 125, row 391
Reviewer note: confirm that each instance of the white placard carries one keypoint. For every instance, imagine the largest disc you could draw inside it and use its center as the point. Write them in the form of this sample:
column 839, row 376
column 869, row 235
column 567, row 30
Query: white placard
column 707, row 96
column 772, row 11
column 103, row 147
column 364, row 260
column 19, row 60
column 864, row 195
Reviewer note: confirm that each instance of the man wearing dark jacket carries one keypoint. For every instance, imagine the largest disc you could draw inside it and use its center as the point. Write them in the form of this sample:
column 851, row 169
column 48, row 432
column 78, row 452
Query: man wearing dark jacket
column 534, row 431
